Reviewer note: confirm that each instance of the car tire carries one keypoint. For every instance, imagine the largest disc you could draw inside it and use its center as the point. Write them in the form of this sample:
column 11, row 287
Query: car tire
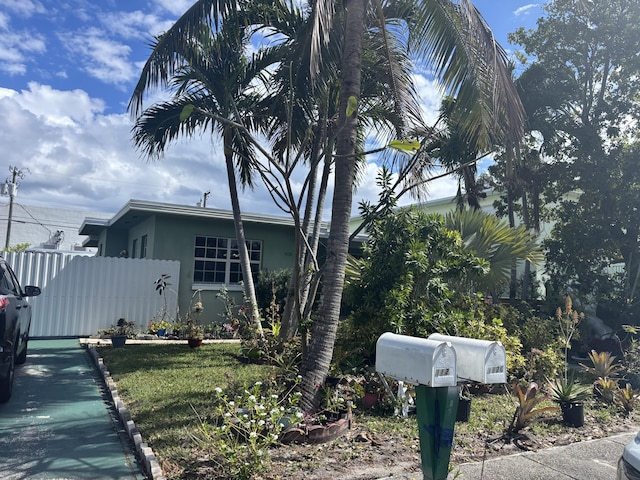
column 20, row 359
column 6, row 382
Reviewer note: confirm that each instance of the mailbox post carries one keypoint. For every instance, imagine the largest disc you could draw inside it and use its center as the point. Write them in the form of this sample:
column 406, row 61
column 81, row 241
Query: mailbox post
column 431, row 366
column 435, row 365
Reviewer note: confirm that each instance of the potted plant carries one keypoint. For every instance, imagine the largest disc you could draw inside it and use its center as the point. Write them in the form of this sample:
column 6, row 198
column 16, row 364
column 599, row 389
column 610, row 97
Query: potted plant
column 121, row 332
column 159, row 328
column 463, row 412
column 372, row 389
column 194, row 333
column 570, row 395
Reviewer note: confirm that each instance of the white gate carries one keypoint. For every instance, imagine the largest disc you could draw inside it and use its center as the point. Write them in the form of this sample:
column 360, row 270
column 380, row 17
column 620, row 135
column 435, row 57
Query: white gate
column 82, row 294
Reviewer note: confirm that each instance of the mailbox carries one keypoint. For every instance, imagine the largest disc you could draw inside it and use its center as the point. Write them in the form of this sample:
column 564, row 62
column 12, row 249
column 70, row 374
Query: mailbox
column 480, row 361
column 420, row 361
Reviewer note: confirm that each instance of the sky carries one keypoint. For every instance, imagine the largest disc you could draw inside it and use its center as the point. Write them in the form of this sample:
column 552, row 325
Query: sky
column 67, row 71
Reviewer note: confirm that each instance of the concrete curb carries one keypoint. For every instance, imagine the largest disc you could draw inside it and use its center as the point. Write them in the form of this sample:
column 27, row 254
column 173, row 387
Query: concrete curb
column 143, row 451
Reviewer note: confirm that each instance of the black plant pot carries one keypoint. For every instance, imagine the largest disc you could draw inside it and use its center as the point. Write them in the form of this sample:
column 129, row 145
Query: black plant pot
column 572, row 413
column 118, row 340
column 464, row 410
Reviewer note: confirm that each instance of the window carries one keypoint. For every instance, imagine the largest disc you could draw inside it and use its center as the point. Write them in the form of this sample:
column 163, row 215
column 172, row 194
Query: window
column 134, row 248
column 217, row 260
column 143, row 247
column 8, row 284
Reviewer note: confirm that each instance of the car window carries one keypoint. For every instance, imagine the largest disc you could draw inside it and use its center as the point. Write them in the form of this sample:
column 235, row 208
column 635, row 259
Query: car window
column 8, row 284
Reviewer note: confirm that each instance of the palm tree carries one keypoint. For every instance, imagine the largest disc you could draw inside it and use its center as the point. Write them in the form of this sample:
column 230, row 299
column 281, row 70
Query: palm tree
column 454, row 38
column 495, row 241
column 211, row 80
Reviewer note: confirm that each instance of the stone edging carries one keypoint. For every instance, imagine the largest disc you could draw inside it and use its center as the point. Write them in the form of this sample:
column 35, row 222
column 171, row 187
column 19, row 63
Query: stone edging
column 143, row 451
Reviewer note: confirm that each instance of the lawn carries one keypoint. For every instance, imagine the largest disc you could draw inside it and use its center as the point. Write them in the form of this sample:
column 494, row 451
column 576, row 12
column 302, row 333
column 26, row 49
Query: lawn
column 170, row 388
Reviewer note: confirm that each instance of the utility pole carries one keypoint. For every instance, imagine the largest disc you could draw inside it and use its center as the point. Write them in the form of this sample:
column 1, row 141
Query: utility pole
column 12, row 190
column 204, row 199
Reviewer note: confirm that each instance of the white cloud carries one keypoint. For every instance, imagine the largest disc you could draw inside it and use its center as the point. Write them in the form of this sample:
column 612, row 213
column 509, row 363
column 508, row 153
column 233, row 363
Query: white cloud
column 15, row 48
column 175, row 7
column 104, row 59
column 525, row 9
column 25, row 8
column 135, row 25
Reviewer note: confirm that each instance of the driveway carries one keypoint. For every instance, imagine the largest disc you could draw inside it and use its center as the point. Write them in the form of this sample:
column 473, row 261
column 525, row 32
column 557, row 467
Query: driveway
column 57, row 423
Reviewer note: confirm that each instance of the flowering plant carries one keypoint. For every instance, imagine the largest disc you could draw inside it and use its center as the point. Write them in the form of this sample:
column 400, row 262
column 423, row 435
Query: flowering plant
column 248, row 424
column 155, row 326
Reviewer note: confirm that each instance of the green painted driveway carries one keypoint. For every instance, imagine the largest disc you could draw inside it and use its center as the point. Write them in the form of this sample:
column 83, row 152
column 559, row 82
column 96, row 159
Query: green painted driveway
column 57, row 424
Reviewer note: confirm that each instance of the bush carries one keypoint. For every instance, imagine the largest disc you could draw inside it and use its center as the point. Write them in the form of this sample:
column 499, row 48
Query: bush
column 246, row 427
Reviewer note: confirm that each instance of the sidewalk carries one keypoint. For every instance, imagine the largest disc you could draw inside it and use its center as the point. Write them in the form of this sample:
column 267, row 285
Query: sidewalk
column 588, row 460
column 57, row 425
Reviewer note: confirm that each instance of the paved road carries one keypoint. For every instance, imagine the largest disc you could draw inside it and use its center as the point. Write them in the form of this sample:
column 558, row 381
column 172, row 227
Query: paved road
column 57, row 424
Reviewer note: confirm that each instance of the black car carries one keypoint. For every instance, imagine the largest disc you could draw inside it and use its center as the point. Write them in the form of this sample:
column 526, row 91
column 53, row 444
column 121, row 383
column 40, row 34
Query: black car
column 15, row 320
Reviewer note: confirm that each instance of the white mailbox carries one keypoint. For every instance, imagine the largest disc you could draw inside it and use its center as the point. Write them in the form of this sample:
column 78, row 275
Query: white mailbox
column 480, row 361
column 419, row 361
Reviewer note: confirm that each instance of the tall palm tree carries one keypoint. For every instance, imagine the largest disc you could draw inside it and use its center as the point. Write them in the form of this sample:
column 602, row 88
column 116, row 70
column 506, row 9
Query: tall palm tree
column 456, row 41
column 211, row 80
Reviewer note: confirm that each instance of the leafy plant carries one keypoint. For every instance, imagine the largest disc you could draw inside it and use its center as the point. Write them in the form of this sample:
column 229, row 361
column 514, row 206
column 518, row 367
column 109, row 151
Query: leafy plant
column 526, row 411
column 248, row 424
column 627, row 398
column 604, row 365
column 606, row 388
column 567, row 389
column 123, row 327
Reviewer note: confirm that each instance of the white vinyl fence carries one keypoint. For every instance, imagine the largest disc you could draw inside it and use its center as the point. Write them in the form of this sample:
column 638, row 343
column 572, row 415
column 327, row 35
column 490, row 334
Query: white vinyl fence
column 82, row 294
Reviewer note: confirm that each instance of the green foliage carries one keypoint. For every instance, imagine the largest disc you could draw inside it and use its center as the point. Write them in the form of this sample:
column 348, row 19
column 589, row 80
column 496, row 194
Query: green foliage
column 247, row 425
column 527, row 410
column 542, row 364
column 403, row 280
column 17, row 248
column 272, row 287
column 568, row 389
column 604, row 365
column 627, row 398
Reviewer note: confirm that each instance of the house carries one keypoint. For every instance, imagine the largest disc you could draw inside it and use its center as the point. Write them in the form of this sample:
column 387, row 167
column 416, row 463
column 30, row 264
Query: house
column 46, row 228
column 201, row 239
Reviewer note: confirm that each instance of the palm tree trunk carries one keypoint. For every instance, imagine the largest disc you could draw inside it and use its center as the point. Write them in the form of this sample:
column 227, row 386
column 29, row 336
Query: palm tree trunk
column 316, row 366
column 298, row 287
column 245, row 264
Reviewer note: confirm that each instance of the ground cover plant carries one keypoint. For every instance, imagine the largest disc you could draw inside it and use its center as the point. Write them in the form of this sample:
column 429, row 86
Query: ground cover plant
column 173, row 392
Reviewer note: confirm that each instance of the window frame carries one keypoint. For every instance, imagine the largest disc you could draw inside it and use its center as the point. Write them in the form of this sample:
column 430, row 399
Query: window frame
column 224, row 263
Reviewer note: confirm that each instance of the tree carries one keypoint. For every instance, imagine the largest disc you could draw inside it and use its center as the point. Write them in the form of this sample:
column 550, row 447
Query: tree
column 589, row 49
column 211, row 80
column 495, row 242
column 454, row 38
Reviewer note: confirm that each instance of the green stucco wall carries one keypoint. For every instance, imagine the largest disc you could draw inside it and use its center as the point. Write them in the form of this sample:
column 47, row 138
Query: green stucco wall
column 172, row 238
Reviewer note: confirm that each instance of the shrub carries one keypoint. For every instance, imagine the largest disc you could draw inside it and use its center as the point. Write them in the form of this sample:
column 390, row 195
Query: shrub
column 246, row 427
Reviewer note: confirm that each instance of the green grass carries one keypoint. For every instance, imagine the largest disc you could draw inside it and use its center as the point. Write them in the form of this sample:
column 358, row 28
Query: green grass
column 164, row 385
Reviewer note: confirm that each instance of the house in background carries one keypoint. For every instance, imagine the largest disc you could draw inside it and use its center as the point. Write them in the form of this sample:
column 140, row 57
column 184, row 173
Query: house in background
column 45, row 228
column 203, row 240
